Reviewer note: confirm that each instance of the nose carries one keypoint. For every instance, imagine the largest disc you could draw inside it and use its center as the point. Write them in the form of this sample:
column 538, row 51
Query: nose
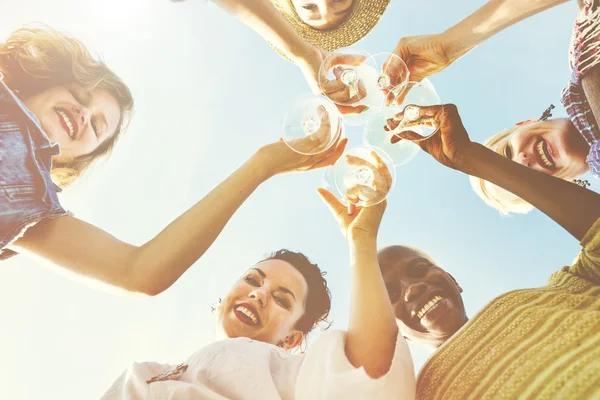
column 83, row 114
column 260, row 296
column 523, row 159
column 413, row 291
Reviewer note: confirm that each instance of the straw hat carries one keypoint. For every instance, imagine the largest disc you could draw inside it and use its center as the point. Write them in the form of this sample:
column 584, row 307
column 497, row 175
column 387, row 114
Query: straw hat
column 363, row 17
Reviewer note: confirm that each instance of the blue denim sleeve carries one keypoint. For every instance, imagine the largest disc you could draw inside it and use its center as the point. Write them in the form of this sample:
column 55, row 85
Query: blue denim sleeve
column 27, row 194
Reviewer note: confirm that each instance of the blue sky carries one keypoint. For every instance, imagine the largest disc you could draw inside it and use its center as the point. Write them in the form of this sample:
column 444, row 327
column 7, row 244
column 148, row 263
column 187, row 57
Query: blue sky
column 209, row 92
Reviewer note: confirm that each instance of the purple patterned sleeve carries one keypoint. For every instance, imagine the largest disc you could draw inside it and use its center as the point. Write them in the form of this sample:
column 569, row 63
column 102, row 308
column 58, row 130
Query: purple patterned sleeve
column 593, row 159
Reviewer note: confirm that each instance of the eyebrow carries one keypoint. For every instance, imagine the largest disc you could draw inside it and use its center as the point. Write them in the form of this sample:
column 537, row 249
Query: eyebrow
column 337, row 13
column 282, row 288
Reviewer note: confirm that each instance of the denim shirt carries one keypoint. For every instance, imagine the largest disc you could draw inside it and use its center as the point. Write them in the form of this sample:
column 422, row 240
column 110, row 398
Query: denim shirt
column 27, row 194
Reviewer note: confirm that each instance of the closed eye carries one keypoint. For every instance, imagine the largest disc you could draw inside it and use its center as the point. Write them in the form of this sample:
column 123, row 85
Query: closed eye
column 507, row 152
column 309, row 7
column 283, row 302
column 95, row 127
column 251, row 281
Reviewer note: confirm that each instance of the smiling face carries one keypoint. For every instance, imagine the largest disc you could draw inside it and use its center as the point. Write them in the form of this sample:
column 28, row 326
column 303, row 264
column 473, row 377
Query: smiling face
column 265, row 304
column 77, row 120
column 553, row 147
column 426, row 299
column 323, row 14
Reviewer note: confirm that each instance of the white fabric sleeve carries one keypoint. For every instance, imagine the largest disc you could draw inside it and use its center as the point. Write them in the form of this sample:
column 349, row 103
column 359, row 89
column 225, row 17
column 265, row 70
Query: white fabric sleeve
column 131, row 385
column 327, row 374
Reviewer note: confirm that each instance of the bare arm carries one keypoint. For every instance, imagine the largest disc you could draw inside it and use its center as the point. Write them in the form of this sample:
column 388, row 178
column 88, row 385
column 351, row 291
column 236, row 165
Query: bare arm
column 372, row 329
column 263, row 17
column 490, row 19
column 156, row 265
column 153, row 267
column 429, row 54
column 571, row 206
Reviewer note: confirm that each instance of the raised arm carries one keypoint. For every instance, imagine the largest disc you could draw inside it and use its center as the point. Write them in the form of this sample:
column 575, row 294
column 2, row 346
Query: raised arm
column 571, row 206
column 372, row 330
column 429, row 54
column 153, row 267
column 263, row 17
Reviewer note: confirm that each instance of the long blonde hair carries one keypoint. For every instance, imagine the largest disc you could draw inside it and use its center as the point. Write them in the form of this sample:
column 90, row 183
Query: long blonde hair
column 505, row 204
column 37, row 57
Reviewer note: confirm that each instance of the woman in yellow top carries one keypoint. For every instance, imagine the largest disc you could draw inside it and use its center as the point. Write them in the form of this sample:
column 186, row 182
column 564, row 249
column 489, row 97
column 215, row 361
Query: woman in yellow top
column 530, row 343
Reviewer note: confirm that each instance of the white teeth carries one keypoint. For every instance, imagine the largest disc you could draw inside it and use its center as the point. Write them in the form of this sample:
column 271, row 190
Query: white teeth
column 67, row 121
column 247, row 313
column 431, row 304
column 540, row 149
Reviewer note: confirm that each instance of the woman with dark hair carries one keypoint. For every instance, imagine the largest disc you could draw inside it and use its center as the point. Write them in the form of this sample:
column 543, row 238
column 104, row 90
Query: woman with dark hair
column 269, row 311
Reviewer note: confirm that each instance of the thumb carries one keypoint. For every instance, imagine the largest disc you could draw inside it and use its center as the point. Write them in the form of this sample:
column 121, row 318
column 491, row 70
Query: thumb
column 408, row 135
column 352, row 110
column 331, row 201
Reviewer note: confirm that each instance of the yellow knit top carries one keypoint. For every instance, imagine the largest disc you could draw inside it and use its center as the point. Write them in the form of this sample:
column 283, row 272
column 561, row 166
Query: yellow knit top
column 539, row 343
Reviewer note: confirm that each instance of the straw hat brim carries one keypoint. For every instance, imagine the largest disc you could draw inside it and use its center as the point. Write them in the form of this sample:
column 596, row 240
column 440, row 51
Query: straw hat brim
column 365, row 14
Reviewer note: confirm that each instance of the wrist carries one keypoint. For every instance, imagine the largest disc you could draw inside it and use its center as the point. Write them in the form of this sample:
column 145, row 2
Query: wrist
column 362, row 242
column 457, row 44
column 300, row 52
column 261, row 165
column 472, row 158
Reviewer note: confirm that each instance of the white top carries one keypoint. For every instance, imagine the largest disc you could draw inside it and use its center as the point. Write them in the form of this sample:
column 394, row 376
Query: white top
column 245, row 369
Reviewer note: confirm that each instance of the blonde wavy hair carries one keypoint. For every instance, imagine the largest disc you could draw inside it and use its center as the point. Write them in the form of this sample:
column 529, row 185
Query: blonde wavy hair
column 509, row 203
column 37, row 57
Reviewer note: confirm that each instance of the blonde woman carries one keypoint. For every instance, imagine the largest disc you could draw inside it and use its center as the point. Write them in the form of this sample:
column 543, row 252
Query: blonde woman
column 61, row 109
column 565, row 148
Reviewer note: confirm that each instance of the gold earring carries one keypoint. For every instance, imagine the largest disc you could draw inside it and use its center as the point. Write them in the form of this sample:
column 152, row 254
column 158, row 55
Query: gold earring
column 582, row 182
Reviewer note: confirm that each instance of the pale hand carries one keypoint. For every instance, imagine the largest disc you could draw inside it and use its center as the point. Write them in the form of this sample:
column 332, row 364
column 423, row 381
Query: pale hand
column 279, row 158
column 362, row 223
column 337, row 91
column 379, row 187
column 424, row 56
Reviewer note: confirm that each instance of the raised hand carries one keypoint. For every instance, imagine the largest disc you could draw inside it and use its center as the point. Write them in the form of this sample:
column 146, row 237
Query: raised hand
column 362, row 223
column 280, row 158
column 449, row 146
column 379, row 187
column 335, row 89
column 424, row 56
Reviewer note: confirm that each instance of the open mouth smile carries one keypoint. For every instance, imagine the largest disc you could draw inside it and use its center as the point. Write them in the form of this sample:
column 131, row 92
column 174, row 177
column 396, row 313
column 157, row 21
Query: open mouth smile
column 247, row 314
column 430, row 305
column 544, row 154
column 67, row 122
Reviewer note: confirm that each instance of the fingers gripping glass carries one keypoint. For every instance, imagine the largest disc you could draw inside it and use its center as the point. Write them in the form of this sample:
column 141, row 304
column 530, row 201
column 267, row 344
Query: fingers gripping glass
column 357, row 82
column 403, row 113
column 364, row 176
column 311, row 125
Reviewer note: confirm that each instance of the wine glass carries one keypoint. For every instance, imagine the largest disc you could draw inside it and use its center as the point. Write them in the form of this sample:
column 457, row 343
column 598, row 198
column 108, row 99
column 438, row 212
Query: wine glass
column 364, row 176
column 311, row 125
column 403, row 113
column 354, row 78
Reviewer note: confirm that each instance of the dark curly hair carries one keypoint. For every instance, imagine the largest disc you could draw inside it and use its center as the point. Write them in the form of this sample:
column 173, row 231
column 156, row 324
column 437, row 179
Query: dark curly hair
column 318, row 299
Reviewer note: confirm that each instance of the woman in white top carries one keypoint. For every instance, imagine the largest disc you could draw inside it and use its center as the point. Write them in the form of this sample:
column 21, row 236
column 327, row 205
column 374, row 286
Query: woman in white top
column 269, row 311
